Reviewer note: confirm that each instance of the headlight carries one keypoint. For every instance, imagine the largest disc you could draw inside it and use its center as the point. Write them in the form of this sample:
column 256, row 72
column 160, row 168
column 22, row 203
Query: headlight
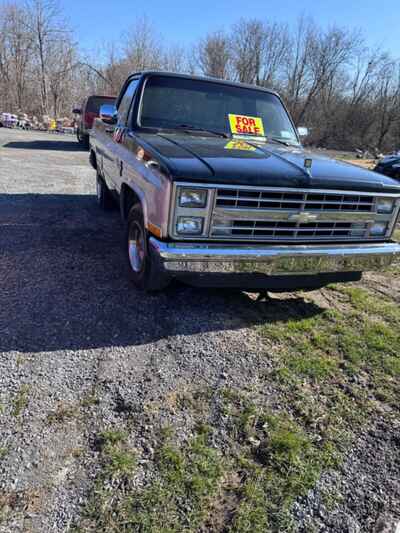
column 384, row 205
column 192, row 198
column 377, row 229
column 189, row 225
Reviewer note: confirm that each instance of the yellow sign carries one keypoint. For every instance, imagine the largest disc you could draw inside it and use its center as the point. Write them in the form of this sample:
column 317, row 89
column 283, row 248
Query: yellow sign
column 246, row 125
column 240, row 145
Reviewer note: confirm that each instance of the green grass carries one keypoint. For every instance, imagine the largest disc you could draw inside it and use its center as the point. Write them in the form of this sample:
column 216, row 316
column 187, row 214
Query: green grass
column 3, row 453
column 333, row 346
column 119, row 461
column 62, row 413
column 180, row 495
column 271, row 457
column 21, row 400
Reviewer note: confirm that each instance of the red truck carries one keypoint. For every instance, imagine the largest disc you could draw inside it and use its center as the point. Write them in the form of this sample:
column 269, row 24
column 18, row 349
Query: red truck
column 87, row 113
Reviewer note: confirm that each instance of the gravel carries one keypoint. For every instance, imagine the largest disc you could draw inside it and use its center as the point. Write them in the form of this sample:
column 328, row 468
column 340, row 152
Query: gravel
column 81, row 349
column 366, row 488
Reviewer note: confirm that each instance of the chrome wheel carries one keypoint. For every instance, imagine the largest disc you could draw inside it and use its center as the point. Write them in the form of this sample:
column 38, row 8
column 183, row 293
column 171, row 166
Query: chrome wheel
column 136, row 247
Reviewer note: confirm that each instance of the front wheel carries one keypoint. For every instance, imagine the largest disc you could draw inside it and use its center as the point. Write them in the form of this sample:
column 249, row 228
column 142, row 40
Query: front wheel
column 142, row 270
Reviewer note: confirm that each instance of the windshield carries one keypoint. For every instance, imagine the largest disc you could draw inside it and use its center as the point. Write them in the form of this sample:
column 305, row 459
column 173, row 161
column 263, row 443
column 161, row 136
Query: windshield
column 173, row 103
column 95, row 102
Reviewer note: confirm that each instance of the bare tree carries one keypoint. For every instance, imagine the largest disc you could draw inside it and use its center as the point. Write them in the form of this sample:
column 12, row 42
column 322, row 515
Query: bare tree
column 214, row 55
column 275, row 53
column 47, row 29
column 143, row 49
column 60, row 75
column 388, row 100
column 248, row 45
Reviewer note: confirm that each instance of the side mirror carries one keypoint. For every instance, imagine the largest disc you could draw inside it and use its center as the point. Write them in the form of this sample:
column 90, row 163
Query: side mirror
column 108, row 114
column 77, row 111
column 303, row 132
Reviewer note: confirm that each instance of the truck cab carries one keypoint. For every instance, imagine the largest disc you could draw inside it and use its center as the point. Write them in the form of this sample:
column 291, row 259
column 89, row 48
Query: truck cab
column 216, row 189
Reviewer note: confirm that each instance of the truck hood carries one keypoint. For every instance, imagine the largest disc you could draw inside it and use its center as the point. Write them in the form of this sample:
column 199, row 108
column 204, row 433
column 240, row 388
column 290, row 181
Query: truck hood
column 233, row 162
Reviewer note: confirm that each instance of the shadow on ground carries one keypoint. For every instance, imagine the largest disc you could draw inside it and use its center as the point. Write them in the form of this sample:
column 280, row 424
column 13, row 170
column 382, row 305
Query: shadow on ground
column 47, row 144
column 64, row 284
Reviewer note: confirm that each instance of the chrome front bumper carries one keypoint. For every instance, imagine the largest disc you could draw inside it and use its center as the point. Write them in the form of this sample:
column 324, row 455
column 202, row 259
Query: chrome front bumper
column 176, row 259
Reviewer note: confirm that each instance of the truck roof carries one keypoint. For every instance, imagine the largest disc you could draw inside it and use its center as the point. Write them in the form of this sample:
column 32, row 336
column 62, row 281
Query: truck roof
column 144, row 73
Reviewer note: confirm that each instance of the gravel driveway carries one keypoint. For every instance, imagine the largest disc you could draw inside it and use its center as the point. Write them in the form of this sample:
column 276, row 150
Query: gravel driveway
column 71, row 325
column 82, row 351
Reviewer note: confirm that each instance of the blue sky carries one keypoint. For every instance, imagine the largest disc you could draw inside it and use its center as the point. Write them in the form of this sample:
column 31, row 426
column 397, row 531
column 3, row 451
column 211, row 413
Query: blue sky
column 181, row 22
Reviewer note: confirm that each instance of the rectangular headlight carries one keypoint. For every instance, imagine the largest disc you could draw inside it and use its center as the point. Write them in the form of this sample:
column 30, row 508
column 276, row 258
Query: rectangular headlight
column 384, row 205
column 378, row 229
column 189, row 225
column 192, row 197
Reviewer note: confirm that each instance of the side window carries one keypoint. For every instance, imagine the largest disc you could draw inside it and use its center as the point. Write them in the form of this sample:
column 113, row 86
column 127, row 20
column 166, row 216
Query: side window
column 125, row 104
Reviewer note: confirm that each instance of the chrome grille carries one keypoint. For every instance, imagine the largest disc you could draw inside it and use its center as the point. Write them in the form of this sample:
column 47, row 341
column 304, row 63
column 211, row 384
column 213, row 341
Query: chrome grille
column 257, row 229
column 292, row 200
column 295, row 215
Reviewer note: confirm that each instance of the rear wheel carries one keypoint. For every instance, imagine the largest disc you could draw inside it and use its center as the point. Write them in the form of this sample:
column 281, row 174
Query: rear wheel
column 83, row 139
column 142, row 269
column 103, row 194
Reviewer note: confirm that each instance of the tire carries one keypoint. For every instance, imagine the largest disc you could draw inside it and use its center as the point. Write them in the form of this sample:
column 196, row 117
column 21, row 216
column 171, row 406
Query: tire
column 103, row 194
column 83, row 139
column 142, row 269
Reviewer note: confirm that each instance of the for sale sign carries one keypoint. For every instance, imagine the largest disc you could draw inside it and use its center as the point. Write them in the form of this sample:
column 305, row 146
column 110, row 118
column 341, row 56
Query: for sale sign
column 243, row 125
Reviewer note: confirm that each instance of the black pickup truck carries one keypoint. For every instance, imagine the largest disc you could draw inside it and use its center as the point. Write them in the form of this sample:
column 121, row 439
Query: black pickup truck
column 216, row 189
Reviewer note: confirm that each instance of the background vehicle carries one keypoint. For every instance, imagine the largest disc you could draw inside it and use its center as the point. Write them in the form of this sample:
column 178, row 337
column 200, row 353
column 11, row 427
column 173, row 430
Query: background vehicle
column 9, row 120
column 216, row 189
column 87, row 113
column 389, row 166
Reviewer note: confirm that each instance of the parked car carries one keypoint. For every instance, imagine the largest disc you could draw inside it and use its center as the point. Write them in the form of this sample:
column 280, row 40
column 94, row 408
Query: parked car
column 389, row 166
column 216, row 189
column 9, row 120
column 87, row 113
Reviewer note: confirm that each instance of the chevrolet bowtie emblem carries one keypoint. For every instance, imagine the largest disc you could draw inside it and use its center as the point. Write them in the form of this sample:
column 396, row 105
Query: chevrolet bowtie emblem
column 302, row 217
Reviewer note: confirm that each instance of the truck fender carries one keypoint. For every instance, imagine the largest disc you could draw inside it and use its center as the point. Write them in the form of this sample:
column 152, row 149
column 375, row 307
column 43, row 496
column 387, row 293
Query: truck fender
column 131, row 194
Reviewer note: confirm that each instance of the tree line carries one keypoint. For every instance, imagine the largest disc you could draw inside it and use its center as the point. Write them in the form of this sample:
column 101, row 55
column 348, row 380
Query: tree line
column 346, row 92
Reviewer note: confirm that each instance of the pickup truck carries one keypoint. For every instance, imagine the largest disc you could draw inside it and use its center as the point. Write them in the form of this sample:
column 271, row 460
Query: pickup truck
column 215, row 189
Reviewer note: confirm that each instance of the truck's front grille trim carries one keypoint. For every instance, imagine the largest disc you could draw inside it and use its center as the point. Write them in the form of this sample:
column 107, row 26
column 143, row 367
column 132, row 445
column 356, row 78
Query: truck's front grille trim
column 246, row 214
column 290, row 230
column 261, row 214
column 307, row 200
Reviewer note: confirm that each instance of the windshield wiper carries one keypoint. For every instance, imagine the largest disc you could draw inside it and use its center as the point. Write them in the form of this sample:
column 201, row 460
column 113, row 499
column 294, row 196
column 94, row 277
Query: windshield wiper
column 280, row 141
column 188, row 128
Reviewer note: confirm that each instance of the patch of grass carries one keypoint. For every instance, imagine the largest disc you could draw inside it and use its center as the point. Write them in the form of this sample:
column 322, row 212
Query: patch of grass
column 21, row 400
column 118, row 460
column 3, row 452
column 179, row 499
column 62, row 413
column 272, row 461
column 90, row 400
column 333, row 346
column 77, row 452
column 280, row 462
column 111, row 437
